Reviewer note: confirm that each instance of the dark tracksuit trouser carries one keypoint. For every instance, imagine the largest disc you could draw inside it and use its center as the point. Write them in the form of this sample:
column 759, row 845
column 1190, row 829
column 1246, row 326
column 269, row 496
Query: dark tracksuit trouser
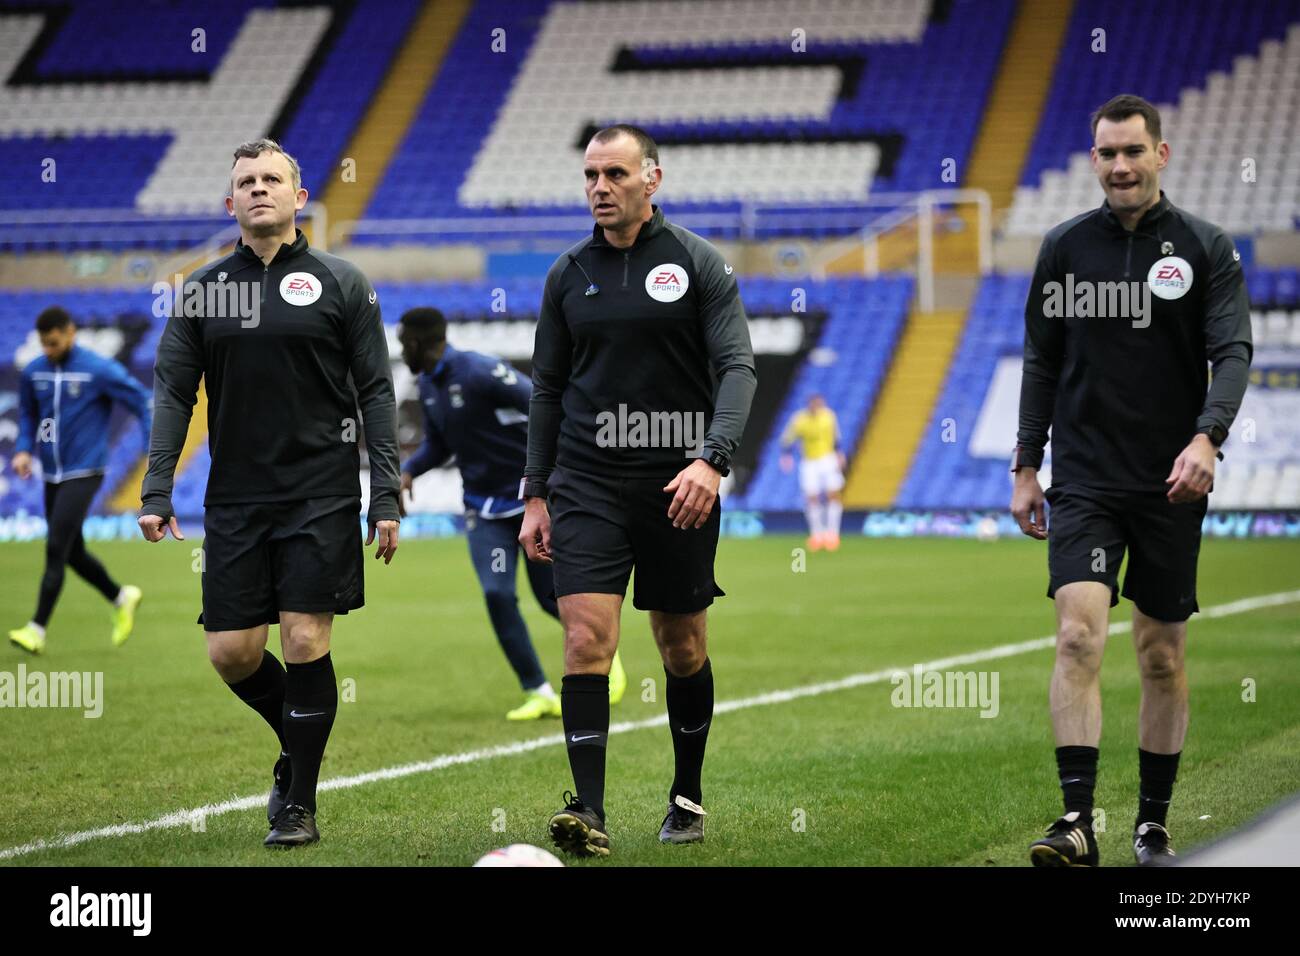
column 495, row 551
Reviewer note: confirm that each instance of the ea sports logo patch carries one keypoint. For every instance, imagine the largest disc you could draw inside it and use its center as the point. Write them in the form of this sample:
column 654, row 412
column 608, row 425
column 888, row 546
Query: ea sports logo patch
column 300, row 288
column 667, row 283
column 1170, row 277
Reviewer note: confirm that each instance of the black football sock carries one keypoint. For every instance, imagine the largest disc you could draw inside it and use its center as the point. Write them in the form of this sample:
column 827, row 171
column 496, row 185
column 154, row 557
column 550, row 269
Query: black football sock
column 311, row 700
column 690, row 711
column 263, row 690
column 1077, row 767
column 584, row 700
column 1156, row 775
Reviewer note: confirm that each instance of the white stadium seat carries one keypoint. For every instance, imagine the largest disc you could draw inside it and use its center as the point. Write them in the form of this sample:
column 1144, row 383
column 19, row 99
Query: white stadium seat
column 239, row 101
column 553, row 98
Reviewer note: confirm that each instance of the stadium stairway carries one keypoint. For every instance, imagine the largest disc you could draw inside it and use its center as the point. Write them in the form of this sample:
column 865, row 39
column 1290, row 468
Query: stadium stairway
column 893, row 433
column 394, row 109
column 1020, row 89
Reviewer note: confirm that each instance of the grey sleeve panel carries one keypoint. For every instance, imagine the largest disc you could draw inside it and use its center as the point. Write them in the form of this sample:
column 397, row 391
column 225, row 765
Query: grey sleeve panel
column 726, row 336
column 1228, row 342
column 552, row 361
column 1044, row 353
column 178, row 367
column 366, row 345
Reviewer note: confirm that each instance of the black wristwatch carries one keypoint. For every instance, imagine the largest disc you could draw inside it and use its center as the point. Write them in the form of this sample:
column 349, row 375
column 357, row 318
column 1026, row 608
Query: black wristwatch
column 533, row 488
column 720, row 461
column 1217, row 434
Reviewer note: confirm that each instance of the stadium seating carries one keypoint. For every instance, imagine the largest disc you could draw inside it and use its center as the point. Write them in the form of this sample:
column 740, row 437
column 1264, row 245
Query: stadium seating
column 729, row 104
column 143, row 121
column 1227, row 82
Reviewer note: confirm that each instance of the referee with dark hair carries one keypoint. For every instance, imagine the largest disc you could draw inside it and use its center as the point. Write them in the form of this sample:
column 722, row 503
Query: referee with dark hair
column 285, row 377
column 636, row 321
column 65, row 399
column 1128, row 305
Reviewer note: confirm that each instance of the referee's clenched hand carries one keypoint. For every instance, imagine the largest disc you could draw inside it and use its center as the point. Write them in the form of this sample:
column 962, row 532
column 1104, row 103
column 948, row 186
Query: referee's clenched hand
column 1193, row 473
column 696, row 488
column 155, row 527
column 1027, row 504
column 387, row 539
column 535, row 532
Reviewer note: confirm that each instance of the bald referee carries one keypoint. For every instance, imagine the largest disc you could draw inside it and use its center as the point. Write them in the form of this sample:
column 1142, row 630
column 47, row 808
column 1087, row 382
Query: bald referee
column 629, row 438
column 290, row 344
column 1135, row 430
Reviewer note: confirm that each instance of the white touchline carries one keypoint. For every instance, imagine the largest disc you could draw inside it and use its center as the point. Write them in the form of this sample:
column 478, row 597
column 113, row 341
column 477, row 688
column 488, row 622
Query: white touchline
column 182, row 818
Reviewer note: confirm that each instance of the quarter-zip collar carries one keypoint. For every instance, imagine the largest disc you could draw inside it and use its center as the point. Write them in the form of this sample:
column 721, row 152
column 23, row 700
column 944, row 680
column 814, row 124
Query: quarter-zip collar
column 287, row 250
column 1149, row 218
column 649, row 229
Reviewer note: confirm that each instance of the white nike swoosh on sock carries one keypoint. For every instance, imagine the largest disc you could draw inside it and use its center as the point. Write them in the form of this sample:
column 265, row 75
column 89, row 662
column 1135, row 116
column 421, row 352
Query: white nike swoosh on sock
column 318, row 713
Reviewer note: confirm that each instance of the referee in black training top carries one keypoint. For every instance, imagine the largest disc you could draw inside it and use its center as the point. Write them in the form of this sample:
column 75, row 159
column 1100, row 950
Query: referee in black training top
column 633, row 319
column 283, row 335
column 1129, row 303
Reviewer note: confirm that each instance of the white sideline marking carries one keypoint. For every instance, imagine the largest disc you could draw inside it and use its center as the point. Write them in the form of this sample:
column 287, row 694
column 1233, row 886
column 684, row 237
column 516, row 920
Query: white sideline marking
column 181, row 818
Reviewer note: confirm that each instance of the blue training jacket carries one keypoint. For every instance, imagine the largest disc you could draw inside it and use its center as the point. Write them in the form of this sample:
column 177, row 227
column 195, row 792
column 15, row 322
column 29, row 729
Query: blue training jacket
column 476, row 408
column 64, row 411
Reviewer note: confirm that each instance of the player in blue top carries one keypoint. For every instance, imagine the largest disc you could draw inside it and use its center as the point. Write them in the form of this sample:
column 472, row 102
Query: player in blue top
column 476, row 409
column 65, row 399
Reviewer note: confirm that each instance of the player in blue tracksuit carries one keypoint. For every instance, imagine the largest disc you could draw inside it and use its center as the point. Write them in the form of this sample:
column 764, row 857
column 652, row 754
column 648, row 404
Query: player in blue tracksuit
column 65, row 399
column 476, row 409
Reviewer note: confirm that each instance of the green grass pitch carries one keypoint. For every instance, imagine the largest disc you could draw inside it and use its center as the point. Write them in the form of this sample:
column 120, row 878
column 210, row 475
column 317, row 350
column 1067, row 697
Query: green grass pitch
column 841, row 777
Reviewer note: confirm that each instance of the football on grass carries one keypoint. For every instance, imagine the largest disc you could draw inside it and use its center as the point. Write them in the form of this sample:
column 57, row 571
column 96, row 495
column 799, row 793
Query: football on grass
column 519, row 854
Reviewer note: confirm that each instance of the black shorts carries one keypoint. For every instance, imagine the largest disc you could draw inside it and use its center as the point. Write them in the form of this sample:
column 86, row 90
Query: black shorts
column 602, row 528
column 1088, row 530
column 264, row 558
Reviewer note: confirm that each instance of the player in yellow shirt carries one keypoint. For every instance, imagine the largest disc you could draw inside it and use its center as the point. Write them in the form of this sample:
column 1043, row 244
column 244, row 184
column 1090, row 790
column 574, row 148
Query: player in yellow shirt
column 821, row 472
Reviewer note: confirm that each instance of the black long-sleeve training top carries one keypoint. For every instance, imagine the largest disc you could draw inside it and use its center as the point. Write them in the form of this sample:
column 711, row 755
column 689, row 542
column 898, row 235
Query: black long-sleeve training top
column 1119, row 327
column 281, row 410
column 625, row 343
